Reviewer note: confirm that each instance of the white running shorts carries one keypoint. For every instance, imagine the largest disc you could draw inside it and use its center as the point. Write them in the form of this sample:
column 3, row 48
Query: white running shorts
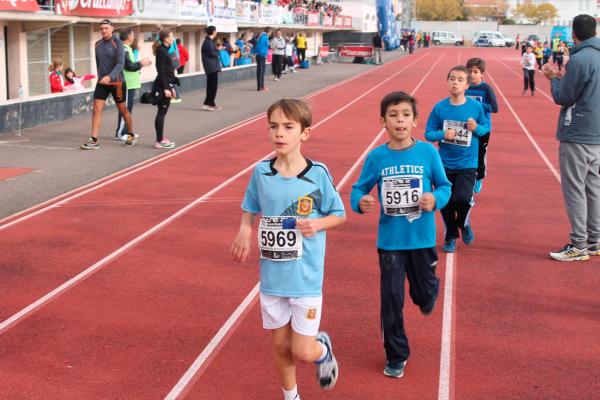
column 304, row 312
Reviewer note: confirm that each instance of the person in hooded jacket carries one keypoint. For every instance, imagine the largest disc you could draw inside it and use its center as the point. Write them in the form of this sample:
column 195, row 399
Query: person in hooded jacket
column 212, row 66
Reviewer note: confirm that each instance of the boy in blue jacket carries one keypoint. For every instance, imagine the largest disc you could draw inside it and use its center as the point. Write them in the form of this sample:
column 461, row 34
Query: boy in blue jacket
column 457, row 123
column 411, row 184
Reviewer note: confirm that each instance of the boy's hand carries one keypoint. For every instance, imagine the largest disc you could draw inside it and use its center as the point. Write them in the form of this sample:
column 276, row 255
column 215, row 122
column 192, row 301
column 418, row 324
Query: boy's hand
column 105, row 80
column 427, row 202
column 449, row 134
column 471, row 124
column 366, row 203
column 241, row 244
column 308, row 227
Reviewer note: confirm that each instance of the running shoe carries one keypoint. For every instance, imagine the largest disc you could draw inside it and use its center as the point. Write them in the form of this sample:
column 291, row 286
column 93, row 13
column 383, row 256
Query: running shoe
column 394, row 370
column 467, row 234
column 478, row 185
column 428, row 309
column 131, row 140
column 164, row 144
column 327, row 370
column 216, row 108
column 263, row 89
column 207, row 108
column 121, row 138
column 449, row 246
column 570, row 253
column 593, row 249
column 175, row 101
column 91, row 144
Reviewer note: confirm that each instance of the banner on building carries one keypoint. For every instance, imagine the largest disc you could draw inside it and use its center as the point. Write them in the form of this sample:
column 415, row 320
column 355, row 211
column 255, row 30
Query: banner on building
column 193, row 9
column 159, row 9
column 313, row 19
column 19, row 5
column 94, row 8
column 328, row 20
column 221, row 13
column 247, row 11
column 347, row 22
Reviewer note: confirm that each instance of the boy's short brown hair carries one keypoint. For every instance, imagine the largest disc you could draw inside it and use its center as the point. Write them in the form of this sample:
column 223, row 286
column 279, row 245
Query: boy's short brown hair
column 394, row 98
column 476, row 63
column 460, row 68
column 296, row 110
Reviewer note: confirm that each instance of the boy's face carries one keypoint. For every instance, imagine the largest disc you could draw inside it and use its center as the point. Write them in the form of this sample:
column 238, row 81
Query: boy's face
column 399, row 121
column 286, row 135
column 528, row 49
column 458, row 82
column 475, row 75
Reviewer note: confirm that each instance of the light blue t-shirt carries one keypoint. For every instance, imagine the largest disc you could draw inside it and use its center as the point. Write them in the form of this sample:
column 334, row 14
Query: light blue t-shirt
column 464, row 152
column 404, row 172
column 272, row 195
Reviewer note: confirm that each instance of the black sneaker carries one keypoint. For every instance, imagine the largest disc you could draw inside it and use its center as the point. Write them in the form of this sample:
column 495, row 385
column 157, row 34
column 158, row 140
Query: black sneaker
column 428, row 309
column 327, row 370
column 394, row 370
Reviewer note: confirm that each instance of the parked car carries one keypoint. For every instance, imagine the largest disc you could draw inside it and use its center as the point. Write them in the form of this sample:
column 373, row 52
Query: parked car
column 507, row 41
column 444, row 37
column 532, row 39
column 490, row 40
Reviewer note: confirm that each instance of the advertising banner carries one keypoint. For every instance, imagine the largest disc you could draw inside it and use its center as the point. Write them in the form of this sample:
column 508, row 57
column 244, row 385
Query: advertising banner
column 193, row 9
column 338, row 21
column 19, row 5
column 355, row 51
column 328, row 20
column 94, row 8
column 347, row 22
column 221, row 13
column 247, row 11
column 313, row 19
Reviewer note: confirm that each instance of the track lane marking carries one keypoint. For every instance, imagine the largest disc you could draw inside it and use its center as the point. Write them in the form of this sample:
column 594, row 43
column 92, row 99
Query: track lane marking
column 199, row 364
column 15, row 318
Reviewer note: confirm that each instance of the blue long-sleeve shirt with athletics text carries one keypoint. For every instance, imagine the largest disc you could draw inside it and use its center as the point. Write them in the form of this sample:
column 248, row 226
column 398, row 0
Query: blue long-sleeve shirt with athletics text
column 461, row 152
column 402, row 177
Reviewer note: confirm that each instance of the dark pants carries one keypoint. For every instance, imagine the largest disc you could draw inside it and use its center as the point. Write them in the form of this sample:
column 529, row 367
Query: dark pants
column 277, row 65
column 212, row 83
column 301, row 54
column 289, row 61
column 554, row 56
column 419, row 267
column 159, row 121
column 545, row 60
column 456, row 212
column 261, row 63
column 529, row 79
column 559, row 61
column 481, row 161
column 539, row 62
column 121, row 128
column 180, row 70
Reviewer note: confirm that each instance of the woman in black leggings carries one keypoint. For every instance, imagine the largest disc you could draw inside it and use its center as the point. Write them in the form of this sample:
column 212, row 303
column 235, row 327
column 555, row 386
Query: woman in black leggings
column 164, row 85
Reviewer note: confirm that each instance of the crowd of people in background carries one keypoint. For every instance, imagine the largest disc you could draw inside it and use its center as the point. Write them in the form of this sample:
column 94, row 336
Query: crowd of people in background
column 323, row 7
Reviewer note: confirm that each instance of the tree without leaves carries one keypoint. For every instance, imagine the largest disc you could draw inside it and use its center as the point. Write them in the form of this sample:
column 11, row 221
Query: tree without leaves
column 439, row 10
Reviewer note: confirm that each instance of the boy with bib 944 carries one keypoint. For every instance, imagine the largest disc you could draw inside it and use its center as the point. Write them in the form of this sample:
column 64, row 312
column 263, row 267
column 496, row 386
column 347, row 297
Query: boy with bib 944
column 411, row 184
column 457, row 123
column 297, row 203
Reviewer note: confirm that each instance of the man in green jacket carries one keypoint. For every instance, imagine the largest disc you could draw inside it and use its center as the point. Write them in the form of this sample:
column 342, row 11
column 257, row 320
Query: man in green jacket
column 131, row 71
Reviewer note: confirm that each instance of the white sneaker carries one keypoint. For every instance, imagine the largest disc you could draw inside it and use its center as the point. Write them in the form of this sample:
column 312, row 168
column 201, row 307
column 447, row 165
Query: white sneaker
column 164, row 144
column 570, row 253
column 327, row 370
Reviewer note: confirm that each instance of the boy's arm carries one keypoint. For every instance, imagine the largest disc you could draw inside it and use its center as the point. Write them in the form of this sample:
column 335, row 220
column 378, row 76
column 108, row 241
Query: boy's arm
column 434, row 129
column 241, row 244
column 310, row 226
column 492, row 107
column 368, row 179
column 483, row 125
column 440, row 182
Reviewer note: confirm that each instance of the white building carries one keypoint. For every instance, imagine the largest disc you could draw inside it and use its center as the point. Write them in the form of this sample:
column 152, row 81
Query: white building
column 567, row 9
column 363, row 13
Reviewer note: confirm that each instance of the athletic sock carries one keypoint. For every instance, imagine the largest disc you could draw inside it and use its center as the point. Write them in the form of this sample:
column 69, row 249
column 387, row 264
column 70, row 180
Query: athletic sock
column 290, row 394
column 324, row 355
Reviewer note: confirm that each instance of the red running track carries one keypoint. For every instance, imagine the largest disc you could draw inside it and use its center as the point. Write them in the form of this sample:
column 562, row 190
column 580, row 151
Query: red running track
column 523, row 326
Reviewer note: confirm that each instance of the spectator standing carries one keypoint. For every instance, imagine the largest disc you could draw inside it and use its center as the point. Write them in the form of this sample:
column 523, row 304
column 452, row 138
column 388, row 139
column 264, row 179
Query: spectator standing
column 164, row 85
column 110, row 60
column 278, row 48
column 427, row 40
column 517, row 41
column 301, row 46
column 378, row 48
column 74, row 82
column 261, row 50
column 131, row 72
column 56, row 77
column 577, row 91
column 289, row 54
column 212, row 66
column 183, row 56
column 528, row 64
column 241, row 42
column 411, row 43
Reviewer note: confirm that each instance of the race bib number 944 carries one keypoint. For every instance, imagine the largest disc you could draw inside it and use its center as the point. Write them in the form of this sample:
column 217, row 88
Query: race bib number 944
column 463, row 135
column 278, row 239
column 400, row 195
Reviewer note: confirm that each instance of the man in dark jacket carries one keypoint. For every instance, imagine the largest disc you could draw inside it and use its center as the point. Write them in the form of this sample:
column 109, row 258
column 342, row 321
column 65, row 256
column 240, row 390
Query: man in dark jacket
column 378, row 48
column 212, row 66
column 578, row 92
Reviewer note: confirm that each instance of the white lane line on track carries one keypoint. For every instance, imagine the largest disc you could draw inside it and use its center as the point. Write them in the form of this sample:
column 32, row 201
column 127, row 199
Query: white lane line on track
column 444, row 388
column 6, row 324
column 537, row 89
column 525, row 130
column 193, row 372
column 99, row 183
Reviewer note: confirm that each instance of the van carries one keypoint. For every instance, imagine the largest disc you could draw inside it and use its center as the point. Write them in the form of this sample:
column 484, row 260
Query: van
column 445, row 37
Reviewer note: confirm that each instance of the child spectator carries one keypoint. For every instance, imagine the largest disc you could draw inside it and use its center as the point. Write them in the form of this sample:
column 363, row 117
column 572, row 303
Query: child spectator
column 457, row 123
column 74, row 82
column 297, row 203
column 483, row 93
column 289, row 54
column 56, row 76
column 528, row 63
column 183, row 56
column 411, row 184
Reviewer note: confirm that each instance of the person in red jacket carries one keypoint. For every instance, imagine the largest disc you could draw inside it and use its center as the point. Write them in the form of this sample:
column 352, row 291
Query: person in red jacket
column 183, row 56
column 56, row 76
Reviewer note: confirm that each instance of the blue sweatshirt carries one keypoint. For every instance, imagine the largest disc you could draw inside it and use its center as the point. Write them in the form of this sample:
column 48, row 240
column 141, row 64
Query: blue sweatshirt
column 402, row 176
column 484, row 94
column 262, row 45
column 461, row 152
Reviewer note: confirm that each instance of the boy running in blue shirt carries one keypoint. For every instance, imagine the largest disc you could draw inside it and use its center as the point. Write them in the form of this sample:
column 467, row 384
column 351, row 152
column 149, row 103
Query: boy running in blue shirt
column 411, row 184
column 483, row 93
column 457, row 123
column 297, row 202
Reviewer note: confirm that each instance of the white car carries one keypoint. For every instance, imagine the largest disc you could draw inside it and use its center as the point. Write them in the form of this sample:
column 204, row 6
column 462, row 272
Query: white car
column 444, row 37
column 506, row 41
column 488, row 40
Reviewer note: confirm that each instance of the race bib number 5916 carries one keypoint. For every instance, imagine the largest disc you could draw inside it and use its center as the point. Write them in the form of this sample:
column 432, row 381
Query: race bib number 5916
column 400, row 195
column 278, row 239
column 463, row 135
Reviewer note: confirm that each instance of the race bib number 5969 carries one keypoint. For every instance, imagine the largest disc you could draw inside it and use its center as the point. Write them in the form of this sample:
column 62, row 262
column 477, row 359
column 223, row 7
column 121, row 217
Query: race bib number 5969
column 278, row 239
column 463, row 135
